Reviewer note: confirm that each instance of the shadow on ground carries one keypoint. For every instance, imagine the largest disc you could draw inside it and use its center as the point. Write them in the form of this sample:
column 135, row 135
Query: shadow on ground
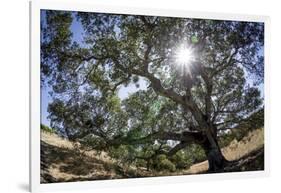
column 69, row 165
column 65, row 164
column 251, row 162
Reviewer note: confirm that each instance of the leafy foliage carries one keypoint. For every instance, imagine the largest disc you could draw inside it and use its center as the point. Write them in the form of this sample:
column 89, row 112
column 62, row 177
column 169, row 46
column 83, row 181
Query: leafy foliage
column 46, row 129
column 180, row 106
column 162, row 163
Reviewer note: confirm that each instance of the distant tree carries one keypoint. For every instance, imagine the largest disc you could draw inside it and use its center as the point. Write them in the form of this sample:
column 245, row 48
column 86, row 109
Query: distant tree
column 46, row 129
column 185, row 102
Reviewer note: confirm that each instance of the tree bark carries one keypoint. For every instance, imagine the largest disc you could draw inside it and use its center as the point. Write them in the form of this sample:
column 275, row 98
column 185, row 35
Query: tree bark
column 216, row 160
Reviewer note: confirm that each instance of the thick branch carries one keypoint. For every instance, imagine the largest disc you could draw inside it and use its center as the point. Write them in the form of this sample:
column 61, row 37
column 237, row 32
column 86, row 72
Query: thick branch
column 177, row 148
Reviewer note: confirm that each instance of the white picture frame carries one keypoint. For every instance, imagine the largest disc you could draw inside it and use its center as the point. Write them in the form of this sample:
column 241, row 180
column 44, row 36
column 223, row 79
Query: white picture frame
column 35, row 7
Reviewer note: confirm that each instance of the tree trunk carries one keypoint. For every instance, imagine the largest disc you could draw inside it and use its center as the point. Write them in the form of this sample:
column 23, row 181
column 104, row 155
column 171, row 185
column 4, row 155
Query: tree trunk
column 215, row 157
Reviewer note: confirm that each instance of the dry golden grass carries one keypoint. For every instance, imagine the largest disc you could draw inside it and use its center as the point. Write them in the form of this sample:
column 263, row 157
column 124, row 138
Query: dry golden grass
column 235, row 150
column 253, row 141
column 66, row 161
column 55, row 140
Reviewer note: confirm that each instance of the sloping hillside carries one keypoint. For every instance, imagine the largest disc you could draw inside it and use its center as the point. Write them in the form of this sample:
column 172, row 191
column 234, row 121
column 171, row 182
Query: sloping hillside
column 251, row 146
column 63, row 161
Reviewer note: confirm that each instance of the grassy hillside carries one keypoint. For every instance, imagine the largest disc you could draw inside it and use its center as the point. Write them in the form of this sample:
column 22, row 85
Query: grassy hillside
column 251, row 145
column 63, row 161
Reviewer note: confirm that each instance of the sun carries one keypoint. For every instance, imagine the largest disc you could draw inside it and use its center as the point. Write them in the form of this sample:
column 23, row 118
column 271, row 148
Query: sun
column 184, row 56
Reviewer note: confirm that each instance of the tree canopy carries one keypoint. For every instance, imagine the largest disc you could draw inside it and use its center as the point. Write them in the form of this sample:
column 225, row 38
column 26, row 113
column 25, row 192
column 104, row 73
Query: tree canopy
column 183, row 103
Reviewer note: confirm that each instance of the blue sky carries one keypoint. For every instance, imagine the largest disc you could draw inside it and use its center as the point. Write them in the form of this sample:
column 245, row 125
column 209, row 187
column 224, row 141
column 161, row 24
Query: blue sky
column 123, row 92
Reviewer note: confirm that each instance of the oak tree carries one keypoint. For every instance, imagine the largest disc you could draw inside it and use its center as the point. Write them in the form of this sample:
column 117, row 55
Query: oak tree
column 199, row 78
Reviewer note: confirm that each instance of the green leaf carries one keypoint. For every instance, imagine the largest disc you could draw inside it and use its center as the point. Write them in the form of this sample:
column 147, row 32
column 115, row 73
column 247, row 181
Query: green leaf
column 194, row 39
